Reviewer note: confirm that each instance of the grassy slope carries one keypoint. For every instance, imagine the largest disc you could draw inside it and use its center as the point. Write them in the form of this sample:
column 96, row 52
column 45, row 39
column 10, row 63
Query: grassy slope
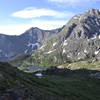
column 82, row 64
column 47, row 88
column 17, row 61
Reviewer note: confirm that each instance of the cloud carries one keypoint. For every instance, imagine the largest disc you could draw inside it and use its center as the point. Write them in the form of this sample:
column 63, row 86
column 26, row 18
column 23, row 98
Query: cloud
column 45, row 24
column 18, row 29
column 36, row 13
column 63, row 1
column 75, row 2
column 14, row 29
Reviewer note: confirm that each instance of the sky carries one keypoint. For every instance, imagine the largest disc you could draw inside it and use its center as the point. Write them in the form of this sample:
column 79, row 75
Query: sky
column 17, row 16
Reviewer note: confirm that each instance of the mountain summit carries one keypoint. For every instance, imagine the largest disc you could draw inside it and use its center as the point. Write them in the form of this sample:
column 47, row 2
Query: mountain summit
column 78, row 40
column 30, row 40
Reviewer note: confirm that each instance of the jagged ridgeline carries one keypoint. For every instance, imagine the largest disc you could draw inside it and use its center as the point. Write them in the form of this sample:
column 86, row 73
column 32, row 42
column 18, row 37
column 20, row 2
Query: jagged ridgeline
column 30, row 40
column 78, row 40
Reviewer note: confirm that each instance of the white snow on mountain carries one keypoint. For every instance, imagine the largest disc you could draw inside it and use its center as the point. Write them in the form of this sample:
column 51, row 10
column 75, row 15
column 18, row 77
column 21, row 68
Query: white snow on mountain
column 33, row 44
column 85, row 51
column 54, row 44
column 65, row 43
column 64, row 51
column 50, row 51
column 42, row 46
column 96, row 52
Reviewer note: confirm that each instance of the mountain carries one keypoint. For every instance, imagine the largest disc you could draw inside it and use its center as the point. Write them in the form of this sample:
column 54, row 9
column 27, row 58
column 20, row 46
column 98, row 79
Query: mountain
column 78, row 40
column 73, row 85
column 30, row 40
column 74, row 49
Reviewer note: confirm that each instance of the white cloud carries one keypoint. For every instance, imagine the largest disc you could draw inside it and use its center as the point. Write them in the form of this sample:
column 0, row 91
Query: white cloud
column 20, row 28
column 63, row 1
column 75, row 2
column 35, row 12
column 14, row 29
column 43, row 24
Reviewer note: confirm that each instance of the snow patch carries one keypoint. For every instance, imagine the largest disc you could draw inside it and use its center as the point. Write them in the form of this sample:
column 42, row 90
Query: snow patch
column 75, row 17
column 29, row 44
column 88, row 40
column 68, row 56
column 96, row 52
column 25, row 51
column 33, row 44
column 64, row 51
column 85, row 51
column 55, row 58
column 97, row 22
column 39, row 74
column 79, row 58
column 65, row 43
column 42, row 47
column 50, row 51
column 94, row 37
column 79, row 53
column 54, row 44
column 99, row 36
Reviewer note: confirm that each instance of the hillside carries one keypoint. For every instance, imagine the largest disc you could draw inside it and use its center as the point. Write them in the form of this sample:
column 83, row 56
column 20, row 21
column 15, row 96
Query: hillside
column 78, row 40
column 74, row 85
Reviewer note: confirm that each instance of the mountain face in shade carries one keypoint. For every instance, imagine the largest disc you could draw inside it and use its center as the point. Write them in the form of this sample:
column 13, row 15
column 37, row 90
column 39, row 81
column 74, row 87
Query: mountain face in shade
column 78, row 40
column 11, row 46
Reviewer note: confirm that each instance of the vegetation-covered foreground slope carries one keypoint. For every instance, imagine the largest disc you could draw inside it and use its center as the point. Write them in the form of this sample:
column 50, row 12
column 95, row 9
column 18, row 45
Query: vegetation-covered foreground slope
column 71, row 85
column 82, row 65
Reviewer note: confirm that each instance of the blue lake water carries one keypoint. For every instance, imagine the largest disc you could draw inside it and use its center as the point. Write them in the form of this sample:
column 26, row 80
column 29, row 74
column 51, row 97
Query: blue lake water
column 35, row 68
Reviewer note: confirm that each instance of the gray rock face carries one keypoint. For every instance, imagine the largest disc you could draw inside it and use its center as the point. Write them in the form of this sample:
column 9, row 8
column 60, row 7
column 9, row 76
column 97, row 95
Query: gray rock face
column 84, row 38
column 79, row 39
column 11, row 46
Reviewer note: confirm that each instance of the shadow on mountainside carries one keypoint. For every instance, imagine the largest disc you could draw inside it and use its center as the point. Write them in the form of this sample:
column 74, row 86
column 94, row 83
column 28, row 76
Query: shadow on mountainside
column 71, row 73
column 57, row 84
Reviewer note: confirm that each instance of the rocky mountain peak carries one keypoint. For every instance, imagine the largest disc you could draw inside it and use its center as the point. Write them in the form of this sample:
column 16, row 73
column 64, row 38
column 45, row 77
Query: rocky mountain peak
column 30, row 30
column 94, row 12
column 30, row 40
column 78, row 40
column 33, row 28
column 86, row 25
